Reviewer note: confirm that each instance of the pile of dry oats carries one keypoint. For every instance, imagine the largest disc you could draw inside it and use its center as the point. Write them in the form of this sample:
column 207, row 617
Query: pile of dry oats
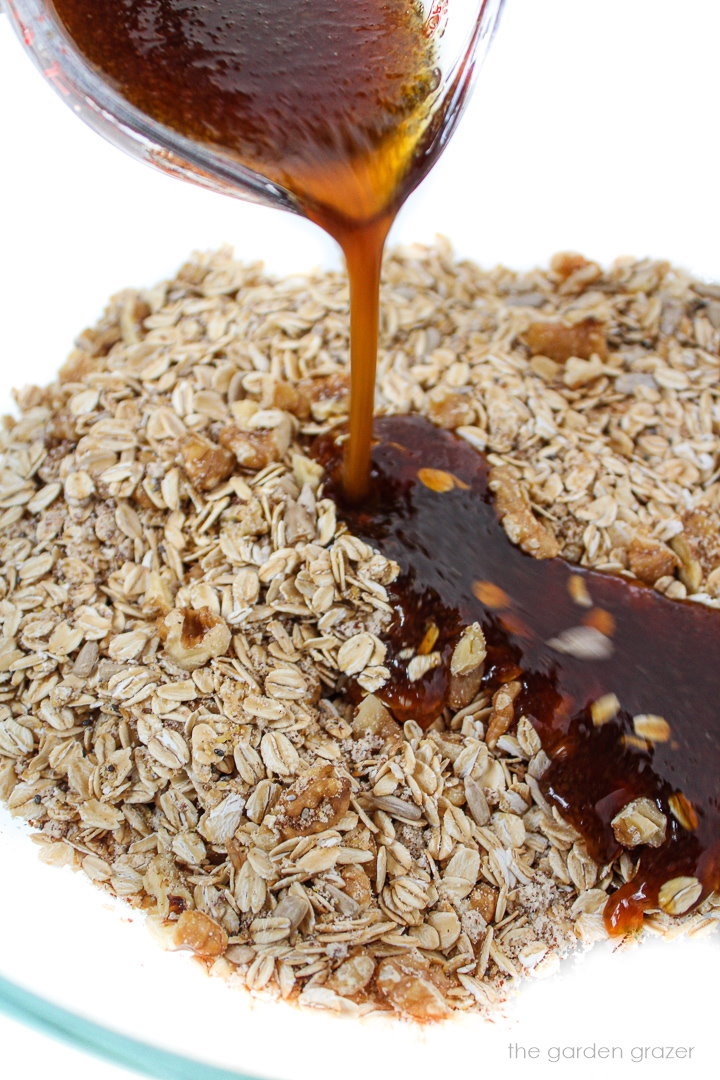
column 178, row 601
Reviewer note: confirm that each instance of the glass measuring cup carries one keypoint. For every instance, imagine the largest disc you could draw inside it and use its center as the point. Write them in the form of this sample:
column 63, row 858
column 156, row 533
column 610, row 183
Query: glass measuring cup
column 460, row 31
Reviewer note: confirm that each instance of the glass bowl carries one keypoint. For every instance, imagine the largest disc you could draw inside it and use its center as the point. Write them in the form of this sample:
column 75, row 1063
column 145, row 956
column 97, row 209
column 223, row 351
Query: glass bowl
column 559, row 148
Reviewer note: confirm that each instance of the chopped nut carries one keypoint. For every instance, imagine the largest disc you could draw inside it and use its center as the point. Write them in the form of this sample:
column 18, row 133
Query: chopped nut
column 252, row 449
column 316, row 801
column 449, row 409
column 192, row 638
column 517, row 518
column 567, row 263
column 202, row 935
column 561, row 342
column 352, row 976
column 206, row 464
column 467, row 667
column 640, row 822
column 372, row 718
column 650, row 559
column 287, row 397
column 691, row 572
column 407, row 984
column 328, row 395
column 702, row 537
column 357, row 885
column 503, row 712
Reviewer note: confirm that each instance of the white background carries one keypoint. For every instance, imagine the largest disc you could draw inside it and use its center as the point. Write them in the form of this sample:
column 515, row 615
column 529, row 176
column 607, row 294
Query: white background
column 593, row 127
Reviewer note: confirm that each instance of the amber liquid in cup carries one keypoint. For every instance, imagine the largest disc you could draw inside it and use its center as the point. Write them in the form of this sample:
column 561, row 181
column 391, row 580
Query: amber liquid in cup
column 330, row 99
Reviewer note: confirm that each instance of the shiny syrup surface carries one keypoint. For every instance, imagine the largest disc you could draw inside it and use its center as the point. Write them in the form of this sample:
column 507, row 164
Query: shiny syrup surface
column 321, row 96
column 334, row 101
column 662, row 655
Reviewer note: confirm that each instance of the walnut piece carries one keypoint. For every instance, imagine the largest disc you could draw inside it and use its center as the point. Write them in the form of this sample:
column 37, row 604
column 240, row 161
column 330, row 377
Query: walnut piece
column 566, row 263
column 317, row 800
column 640, row 822
column 252, row 449
column 191, row 638
column 462, row 689
column 353, row 975
column 407, row 983
column 560, row 342
column 288, row 398
column 517, row 519
column 205, row 463
column 357, row 885
column 467, row 666
column 449, row 409
column 202, row 935
column 650, row 559
column 503, row 712
column 372, row 718
column 702, row 536
column 328, row 395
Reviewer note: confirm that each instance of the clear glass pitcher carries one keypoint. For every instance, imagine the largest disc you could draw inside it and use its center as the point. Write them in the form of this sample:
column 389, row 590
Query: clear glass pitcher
column 460, row 30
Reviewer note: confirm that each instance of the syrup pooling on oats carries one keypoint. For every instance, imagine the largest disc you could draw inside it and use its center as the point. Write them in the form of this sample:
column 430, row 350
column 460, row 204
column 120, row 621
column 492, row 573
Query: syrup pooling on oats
column 617, row 680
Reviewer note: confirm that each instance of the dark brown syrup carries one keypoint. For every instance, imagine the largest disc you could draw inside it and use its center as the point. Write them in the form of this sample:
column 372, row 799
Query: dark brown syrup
column 334, row 101
column 660, row 657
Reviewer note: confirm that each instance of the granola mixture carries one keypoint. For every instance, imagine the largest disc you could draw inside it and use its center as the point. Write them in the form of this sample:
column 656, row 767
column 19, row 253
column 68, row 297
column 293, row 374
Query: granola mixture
column 179, row 605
